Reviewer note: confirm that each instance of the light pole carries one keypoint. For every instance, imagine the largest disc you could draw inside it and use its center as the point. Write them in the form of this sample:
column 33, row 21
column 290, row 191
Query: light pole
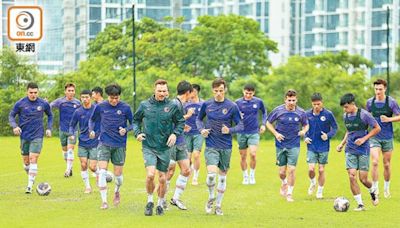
column 134, row 57
column 387, row 50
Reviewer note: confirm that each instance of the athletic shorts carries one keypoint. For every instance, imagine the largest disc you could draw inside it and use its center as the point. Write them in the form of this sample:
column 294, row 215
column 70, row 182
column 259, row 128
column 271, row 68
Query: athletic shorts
column 386, row 145
column 246, row 140
column 358, row 162
column 33, row 146
column 287, row 156
column 65, row 140
column 317, row 157
column 194, row 142
column 178, row 152
column 116, row 154
column 90, row 153
column 218, row 157
column 157, row 158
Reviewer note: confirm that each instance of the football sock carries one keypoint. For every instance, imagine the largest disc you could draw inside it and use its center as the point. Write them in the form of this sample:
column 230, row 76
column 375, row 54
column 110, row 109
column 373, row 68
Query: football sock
column 290, row 190
column 103, row 184
column 118, row 182
column 32, row 174
column 358, row 199
column 70, row 159
column 210, row 181
column 181, row 182
column 85, row 178
column 221, row 189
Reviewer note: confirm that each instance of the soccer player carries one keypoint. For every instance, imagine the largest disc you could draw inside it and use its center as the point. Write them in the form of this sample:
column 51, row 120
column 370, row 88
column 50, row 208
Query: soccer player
column 289, row 119
column 357, row 121
column 218, row 130
column 323, row 127
column 178, row 152
column 157, row 124
column 385, row 110
column 30, row 111
column 193, row 138
column 113, row 115
column 97, row 94
column 250, row 106
column 67, row 106
column 87, row 148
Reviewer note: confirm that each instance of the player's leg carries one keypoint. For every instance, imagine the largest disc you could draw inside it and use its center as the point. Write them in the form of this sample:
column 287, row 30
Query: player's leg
column 64, row 142
column 24, row 147
column 197, row 145
column 363, row 167
column 212, row 159
column 253, row 141
column 103, row 158
column 93, row 154
column 281, row 162
column 387, row 149
column 35, row 147
column 242, row 142
column 292, row 157
column 83, row 154
column 118, row 156
column 375, row 151
column 223, row 165
column 322, row 161
column 150, row 160
column 352, row 167
column 181, row 181
column 311, row 160
column 70, row 155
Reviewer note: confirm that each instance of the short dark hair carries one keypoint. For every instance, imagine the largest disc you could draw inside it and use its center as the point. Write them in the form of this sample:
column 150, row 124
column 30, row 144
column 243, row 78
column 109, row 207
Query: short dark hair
column 113, row 90
column 196, row 87
column 380, row 82
column 69, row 85
column 316, row 97
column 160, row 82
column 348, row 98
column 291, row 93
column 86, row 92
column 32, row 85
column 98, row 89
column 249, row 87
column 218, row 82
column 183, row 87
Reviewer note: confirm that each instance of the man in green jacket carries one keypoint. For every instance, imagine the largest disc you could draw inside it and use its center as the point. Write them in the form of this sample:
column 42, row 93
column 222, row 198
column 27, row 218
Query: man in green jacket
column 157, row 123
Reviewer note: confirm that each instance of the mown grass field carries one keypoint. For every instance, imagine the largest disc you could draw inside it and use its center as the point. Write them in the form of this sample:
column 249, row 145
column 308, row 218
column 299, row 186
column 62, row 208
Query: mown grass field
column 257, row 205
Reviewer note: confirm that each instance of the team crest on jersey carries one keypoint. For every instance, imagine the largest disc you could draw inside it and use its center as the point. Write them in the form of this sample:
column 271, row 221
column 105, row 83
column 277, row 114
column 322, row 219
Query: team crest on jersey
column 166, row 109
column 323, row 118
column 75, row 105
column 119, row 112
column 290, row 118
column 39, row 108
column 224, row 111
column 254, row 105
column 198, row 109
column 296, row 119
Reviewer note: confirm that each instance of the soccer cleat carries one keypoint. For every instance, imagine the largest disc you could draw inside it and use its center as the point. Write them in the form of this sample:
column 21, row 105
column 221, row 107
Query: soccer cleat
column 218, row 211
column 386, row 194
column 311, row 189
column 209, row 205
column 245, row 180
column 374, row 198
column 159, row 210
column 195, row 182
column 117, row 199
column 252, row 180
column 68, row 173
column 178, row 203
column 28, row 190
column 148, row 211
column 283, row 190
column 88, row 190
column 360, row 207
column 104, row 206
column 289, row 198
column 319, row 195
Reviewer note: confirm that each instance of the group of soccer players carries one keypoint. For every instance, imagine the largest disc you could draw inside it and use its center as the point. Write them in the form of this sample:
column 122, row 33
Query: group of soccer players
column 172, row 130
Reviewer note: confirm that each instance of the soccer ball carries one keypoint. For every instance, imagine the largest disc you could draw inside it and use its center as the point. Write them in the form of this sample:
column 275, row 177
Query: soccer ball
column 43, row 189
column 109, row 176
column 341, row 204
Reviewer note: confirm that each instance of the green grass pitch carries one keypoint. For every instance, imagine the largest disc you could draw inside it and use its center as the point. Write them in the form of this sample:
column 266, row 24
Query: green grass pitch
column 257, row 205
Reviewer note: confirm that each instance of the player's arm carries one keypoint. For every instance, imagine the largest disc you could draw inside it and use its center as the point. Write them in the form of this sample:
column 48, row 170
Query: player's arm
column 11, row 119
column 264, row 117
column 334, row 126
column 50, row 116
column 56, row 103
column 237, row 119
column 73, row 123
column 137, row 120
column 396, row 111
column 129, row 117
column 342, row 143
column 375, row 130
column 94, row 117
column 179, row 120
column 305, row 125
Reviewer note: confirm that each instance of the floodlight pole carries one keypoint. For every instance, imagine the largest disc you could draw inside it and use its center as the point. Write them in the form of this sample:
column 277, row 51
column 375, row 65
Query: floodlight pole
column 134, row 57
